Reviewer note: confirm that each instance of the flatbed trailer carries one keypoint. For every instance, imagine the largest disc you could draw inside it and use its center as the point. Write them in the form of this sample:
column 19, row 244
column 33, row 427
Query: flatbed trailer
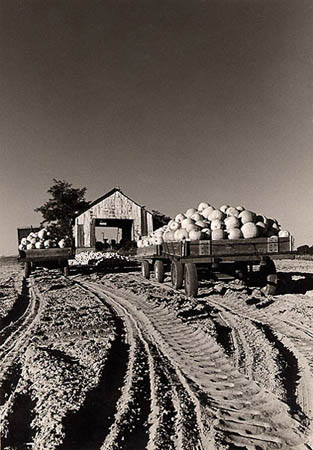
column 240, row 255
column 43, row 257
column 46, row 257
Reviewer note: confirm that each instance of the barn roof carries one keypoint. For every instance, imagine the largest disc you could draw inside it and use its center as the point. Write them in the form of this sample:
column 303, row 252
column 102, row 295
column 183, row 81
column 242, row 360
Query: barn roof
column 108, row 194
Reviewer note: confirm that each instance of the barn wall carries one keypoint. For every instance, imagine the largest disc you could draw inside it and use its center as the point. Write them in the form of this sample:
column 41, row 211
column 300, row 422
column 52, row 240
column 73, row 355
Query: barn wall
column 116, row 206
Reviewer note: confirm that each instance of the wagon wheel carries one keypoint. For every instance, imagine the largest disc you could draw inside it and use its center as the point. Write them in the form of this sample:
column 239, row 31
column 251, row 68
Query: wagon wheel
column 159, row 270
column 177, row 274
column 241, row 271
column 27, row 269
column 191, row 280
column 145, row 269
column 271, row 284
column 268, row 275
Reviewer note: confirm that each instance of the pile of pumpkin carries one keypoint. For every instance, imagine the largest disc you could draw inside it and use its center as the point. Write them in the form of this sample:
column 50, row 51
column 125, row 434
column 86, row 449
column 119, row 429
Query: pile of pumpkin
column 207, row 222
column 42, row 239
column 97, row 258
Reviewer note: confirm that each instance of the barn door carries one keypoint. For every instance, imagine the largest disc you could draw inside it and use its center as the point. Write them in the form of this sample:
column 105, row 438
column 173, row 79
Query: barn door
column 93, row 233
column 80, row 236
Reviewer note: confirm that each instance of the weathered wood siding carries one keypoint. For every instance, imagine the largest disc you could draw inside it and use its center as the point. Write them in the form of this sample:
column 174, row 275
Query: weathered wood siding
column 116, row 206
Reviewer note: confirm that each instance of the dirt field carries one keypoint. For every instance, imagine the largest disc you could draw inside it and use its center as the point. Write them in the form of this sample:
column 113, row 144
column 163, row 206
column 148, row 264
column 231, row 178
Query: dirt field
column 114, row 361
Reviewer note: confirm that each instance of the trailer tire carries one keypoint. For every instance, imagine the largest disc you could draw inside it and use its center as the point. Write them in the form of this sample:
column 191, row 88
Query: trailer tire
column 159, row 270
column 145, row 269
column 271, row 284
column 177, row 274
column 27, row 269
column 191, row 280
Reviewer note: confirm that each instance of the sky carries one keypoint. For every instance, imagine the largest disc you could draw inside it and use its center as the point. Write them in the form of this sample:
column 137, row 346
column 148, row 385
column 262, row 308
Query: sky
column 175, row 101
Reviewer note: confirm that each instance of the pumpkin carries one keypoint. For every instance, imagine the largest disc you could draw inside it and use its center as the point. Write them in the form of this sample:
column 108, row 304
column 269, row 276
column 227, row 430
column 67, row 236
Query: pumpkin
column 231, row 211
column 190, row 212
column 218, row 234
column 247, row 216
column 234, row 233
column 283, row 233
column 181, row 234
column 232, row 222
column 186, row 222
column 202, row 206
column 195, row 235
column 192, row 226
column 207, row 211
column 224, row 208
column 174, row 226
column 196, row 216
column 249, row 230
column 216, row 214
column 217, row 224
column 180, row 217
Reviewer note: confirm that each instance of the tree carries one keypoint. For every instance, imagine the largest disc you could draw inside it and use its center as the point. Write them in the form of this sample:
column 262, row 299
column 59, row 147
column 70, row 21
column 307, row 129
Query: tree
column 159, row 219
column 62, row 207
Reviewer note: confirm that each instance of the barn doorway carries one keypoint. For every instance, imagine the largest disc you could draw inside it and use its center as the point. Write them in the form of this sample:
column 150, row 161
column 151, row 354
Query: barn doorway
column 112, row 234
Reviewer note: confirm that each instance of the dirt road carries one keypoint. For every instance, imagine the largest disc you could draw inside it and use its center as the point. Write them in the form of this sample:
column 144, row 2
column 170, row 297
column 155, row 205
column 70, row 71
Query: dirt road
column 119, row 362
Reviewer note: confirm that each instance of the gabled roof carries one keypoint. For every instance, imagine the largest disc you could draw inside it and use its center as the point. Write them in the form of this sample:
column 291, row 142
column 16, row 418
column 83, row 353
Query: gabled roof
column 108, row 194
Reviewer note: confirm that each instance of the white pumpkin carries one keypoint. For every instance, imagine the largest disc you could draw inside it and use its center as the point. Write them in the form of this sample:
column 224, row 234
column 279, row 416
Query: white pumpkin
column 191, row 227
column 247, row 216
column 224, row 208
column 174, row 226
column 249, row 230
column 216, row 214
column 180, row 217
column 234, row 233
column 207, row 211
column 196, row 216
column 42, row 233
column 217, row 224
column 195, row 235
column 232, row 222
column 218, row 234
column 283, row 233
column 186, row 222
column 202, row 206
column 231, row 211
column 181, row 234
column 168, row 236
column 190, row 212
column 158, row 240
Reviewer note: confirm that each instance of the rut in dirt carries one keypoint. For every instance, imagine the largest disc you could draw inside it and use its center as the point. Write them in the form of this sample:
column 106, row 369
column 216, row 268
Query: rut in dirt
column 19, row 307
column 20, row 433
column 133, row 429
column 289, row 370
column 89, row 427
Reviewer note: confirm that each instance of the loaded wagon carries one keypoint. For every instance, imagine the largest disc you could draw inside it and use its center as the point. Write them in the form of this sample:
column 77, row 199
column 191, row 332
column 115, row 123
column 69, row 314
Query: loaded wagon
column 235, row 257
column 43, row 257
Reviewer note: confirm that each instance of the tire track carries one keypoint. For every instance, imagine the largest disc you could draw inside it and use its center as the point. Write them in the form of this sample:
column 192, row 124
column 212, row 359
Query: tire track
column 292, row 340
column 264, row 419
column 15, row 335
column 180, row 395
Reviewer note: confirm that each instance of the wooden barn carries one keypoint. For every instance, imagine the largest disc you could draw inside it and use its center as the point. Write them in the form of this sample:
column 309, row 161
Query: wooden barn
column 114, row 216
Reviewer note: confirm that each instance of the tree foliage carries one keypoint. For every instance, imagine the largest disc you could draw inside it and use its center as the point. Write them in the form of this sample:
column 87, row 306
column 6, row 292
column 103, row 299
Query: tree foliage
column 159, row 219
column 64, row 204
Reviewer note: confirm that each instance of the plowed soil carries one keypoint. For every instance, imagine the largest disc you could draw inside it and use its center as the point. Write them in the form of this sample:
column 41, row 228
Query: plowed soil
column 114, row 361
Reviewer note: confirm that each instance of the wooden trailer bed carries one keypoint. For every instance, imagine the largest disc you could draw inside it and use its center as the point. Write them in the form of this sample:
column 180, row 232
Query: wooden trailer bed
column 184, row 258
